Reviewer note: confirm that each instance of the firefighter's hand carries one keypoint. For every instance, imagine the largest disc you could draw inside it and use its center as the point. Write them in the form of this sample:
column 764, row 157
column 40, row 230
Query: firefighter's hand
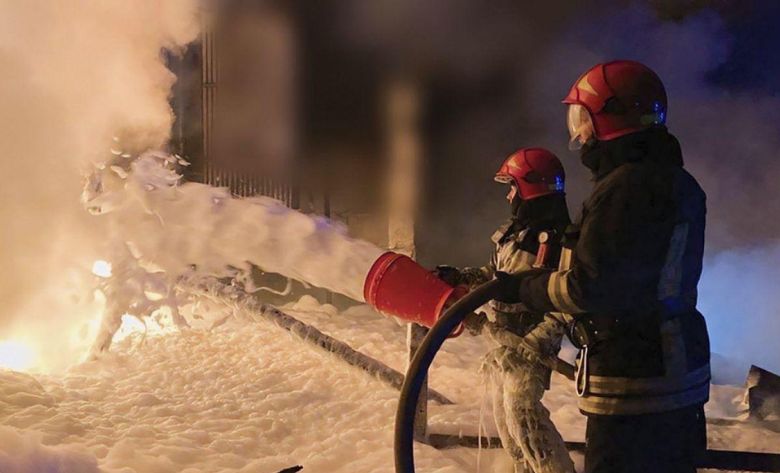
column 474, row 323
column 448, row 274
column 514, row 285
column 510, row 287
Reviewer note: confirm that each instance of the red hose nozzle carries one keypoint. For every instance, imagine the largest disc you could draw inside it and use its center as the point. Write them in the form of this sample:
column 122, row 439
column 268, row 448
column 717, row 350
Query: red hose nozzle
column 398, row 286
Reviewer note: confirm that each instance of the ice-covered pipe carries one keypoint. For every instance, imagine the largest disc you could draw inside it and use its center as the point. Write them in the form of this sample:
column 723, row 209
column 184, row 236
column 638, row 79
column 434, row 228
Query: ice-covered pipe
column 397, row 285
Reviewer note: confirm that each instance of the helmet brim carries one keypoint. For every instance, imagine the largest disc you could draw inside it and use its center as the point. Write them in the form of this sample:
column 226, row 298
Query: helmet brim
column 504, row 179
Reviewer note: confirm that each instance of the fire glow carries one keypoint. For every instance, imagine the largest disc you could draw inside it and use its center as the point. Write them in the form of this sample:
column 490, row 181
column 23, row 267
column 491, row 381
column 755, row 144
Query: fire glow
column 101, row 269
column 16, row 355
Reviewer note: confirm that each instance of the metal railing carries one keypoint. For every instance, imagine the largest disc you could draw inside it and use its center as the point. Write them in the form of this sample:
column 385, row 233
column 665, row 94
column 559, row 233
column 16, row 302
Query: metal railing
column 240, row 184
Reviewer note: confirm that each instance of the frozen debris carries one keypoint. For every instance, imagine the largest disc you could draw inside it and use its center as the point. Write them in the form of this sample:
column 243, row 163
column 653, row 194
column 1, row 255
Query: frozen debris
column 119, row 172
column 247, row 307
column 137, row 289
column 208, row 228
column 127, row 155
column 116, row 152
column 763, row 394
column 196, row 225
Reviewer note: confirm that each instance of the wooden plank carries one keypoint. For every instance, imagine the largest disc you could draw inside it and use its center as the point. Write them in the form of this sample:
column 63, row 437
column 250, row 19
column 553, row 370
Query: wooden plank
column 414, row 336
column 713, row 459
column 251, row 306
column 741, row 461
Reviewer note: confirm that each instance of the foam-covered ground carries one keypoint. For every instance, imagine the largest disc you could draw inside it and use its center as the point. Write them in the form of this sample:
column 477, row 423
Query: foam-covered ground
column 249, row 397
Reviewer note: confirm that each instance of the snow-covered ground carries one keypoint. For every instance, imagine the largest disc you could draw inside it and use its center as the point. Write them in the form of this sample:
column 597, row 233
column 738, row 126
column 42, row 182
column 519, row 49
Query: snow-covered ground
column 250, row 397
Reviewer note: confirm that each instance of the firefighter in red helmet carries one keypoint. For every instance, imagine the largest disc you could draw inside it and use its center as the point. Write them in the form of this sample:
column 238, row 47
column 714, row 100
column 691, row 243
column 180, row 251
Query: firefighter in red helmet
column 631, row 288
column 613, row 100
column 528, row 341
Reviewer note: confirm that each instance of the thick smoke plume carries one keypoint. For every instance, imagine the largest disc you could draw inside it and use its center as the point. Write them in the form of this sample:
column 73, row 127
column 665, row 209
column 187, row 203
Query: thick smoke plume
column 75, row 75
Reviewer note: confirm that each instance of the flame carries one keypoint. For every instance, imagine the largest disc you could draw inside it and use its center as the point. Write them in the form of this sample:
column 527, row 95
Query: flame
column 101, row 268
column 16, row 355
column 130, row 325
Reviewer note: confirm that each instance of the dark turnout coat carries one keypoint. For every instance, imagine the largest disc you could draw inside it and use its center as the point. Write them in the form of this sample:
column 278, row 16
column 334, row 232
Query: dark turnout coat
column 633, row 279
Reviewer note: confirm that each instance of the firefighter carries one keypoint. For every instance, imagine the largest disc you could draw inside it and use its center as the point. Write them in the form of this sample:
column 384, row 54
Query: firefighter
column 643, row 369
column 528, row 341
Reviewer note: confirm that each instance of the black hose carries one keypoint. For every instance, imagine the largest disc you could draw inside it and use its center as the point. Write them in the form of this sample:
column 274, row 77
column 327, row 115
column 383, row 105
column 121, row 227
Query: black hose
column 421, row 362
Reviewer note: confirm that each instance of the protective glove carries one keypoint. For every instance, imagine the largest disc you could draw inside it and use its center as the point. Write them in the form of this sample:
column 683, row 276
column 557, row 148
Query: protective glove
column 448, row 274
column 510, row 287
column 514, row 285
column 474, row 323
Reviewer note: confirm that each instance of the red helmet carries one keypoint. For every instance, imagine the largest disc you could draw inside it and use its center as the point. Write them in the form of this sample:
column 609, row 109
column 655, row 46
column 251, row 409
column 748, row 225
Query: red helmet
column 535, row 172
column 619, row 97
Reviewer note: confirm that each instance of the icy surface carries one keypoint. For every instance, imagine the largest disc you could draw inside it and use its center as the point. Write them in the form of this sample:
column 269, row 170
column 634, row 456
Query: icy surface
column 250, row 397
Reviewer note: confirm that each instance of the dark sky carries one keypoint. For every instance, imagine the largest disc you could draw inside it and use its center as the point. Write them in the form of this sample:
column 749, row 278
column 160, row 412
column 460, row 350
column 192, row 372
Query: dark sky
column 753, row 63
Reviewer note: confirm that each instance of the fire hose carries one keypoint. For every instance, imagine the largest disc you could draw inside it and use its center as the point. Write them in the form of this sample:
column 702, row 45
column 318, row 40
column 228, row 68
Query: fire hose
column 441, row 330
column 421, row 362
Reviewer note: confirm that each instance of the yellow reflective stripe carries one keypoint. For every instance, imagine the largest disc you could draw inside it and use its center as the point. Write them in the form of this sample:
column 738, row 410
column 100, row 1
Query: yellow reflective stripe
column 617, row 386
column 552, row 290
column 565, row 262
column 512, row 261
column 568, row 302
column 644, row 405
column 558, row 291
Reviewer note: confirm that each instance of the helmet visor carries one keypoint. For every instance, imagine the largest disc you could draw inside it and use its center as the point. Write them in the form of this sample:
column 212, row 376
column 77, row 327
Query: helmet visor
column 580, row 126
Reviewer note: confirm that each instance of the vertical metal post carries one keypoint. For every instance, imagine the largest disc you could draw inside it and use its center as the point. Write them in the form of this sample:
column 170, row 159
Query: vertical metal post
column 405, row 150
column 326, row 211
column 414, row 336
column 403, row 103
column 209, row 92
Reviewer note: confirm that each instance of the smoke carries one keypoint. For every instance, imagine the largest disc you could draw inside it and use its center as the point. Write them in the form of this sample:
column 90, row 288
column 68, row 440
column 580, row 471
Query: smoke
column 471, row 60
column 75, row 75
column 738, row 295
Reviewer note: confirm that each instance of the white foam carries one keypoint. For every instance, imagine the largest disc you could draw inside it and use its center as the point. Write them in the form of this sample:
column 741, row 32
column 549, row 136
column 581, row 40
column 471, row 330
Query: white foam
column 164, row 230
column 175, row 226
column 250, row 397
